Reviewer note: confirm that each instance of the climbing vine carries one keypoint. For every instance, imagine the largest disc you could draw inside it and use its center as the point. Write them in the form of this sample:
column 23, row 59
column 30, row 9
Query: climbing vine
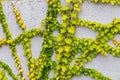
column 65, row 45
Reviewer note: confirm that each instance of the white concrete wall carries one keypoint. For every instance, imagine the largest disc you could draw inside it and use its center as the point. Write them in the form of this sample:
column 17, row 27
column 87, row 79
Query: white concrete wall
column 33, row 11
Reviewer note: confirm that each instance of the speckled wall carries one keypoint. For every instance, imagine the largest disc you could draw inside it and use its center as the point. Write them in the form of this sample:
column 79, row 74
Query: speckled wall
column 33, row 11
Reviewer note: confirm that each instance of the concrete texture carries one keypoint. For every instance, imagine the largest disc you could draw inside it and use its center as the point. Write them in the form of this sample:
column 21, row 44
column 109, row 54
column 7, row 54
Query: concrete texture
column 33, row 12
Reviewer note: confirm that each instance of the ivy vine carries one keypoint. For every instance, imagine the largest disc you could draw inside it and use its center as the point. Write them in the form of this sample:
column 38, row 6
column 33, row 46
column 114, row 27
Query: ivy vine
column 66, row 45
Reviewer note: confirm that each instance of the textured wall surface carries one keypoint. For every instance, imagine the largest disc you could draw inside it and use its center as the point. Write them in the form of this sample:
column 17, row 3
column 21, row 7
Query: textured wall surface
column 33, row 11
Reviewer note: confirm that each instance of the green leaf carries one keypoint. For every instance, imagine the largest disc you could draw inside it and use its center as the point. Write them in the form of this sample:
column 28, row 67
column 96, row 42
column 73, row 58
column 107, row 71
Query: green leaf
column 76, row 7
column 105, row 38
column 59, row 37
column 116, row 30
column 67, row 48
column 110, row 35
column 71, row 29
column 64, row 24
column 80, row 1
column 73, row 14
column 60, row 49
column 58, row 56
column 65, row 60
column 103, row 1
column 89, row 58
column 95, row 1
column 68, row 7
column 68, row 40
column 63, row 30
column 68, row 1
column 112, row 2
column 64, row 17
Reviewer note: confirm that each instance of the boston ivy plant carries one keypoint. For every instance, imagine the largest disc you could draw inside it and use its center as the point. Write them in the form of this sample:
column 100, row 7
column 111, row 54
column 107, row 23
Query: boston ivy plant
column 66, row 45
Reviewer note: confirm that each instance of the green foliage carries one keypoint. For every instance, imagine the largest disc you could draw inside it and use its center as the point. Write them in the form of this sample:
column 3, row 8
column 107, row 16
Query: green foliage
column 65, row 45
